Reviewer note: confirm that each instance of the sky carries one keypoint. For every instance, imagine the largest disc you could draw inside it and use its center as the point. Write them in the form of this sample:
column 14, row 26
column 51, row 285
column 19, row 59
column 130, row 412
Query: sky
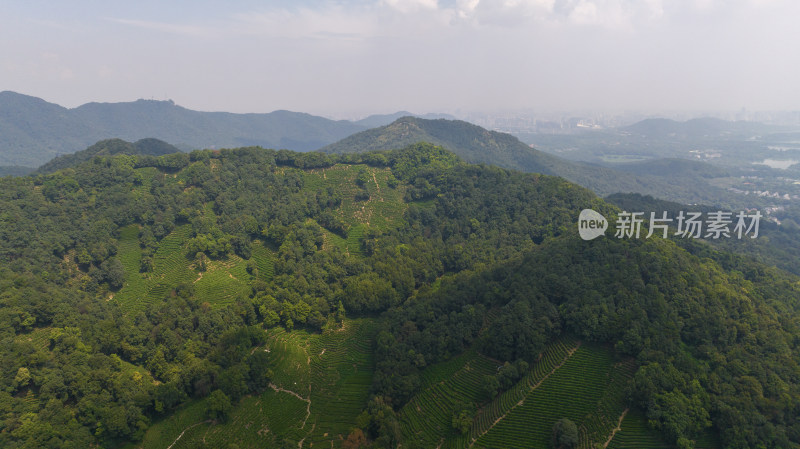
column 351, row 58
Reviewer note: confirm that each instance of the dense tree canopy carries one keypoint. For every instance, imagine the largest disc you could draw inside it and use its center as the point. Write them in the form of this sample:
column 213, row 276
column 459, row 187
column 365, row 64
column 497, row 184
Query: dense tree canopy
column 476, row 257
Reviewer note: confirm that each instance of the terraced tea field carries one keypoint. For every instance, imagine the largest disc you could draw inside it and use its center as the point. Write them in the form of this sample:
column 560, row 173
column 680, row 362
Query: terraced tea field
column 553, row 356
column 585, row 386
column 354, row 238
column 320, row 386
column 267, row 420
column 384, row 207
column 426, row 419
column 635, row 434
column 582, row 382
column 264, row 261
column 221, row 283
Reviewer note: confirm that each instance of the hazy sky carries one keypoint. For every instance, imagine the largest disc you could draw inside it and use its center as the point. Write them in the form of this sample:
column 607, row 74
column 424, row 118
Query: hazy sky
column 338, row 57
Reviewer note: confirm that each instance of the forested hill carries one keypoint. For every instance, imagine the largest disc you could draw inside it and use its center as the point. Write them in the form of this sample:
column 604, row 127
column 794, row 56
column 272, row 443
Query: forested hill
column 471, row 142
column 263, row 298
column 476, row 145
column 33, row 131
column 776, row 246
column 110, row 147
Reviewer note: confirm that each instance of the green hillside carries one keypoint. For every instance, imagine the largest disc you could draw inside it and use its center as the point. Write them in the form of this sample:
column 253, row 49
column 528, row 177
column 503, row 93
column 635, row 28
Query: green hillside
column 110, row 147
column 474, row 144
column 319, row 388
column 397, row 299
column 470, row 142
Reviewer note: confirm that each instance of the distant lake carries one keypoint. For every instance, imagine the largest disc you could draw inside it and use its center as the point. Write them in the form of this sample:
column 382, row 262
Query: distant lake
column 778, row 163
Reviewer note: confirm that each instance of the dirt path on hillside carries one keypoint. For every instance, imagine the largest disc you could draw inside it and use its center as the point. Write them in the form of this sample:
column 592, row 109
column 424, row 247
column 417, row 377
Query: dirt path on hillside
column 377, row 185
column 616, row 429
column 184, row 431
column 534, row 387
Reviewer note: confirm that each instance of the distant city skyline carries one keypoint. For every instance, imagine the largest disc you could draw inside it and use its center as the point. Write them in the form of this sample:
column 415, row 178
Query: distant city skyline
column 351, row 59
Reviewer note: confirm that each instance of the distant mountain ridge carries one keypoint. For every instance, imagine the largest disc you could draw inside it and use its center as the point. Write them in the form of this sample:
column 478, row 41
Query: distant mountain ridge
column 15, row 170
column 373, row 121
column 705, row 127
column 33, row 131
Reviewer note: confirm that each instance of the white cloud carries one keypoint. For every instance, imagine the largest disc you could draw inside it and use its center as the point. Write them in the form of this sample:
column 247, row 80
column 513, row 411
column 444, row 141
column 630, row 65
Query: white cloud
column 584, row 12
column 407, row 6
column 411, row 18
column 417, row 54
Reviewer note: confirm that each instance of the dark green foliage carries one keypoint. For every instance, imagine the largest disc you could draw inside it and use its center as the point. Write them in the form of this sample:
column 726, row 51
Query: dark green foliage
column 462, row 416
column 113, row 272
column 565, row 434
column 218, row 405
column 362, row 178
column 481, row 259
column 674, row 312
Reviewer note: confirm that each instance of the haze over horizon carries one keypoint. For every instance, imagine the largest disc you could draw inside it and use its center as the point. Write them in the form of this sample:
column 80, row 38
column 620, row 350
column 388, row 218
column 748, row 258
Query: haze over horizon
column 348, row 59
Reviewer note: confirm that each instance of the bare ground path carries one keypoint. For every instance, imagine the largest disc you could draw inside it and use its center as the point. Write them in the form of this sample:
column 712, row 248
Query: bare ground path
column 616, row 429
column 533, row 387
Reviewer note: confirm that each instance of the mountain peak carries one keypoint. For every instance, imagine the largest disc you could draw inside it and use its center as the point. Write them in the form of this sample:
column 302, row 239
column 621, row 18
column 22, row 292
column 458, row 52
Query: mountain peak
column 33, row 131
column 10, row 99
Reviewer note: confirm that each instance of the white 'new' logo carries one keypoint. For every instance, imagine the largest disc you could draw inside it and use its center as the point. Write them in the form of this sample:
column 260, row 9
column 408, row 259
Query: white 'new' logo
column 591, row 224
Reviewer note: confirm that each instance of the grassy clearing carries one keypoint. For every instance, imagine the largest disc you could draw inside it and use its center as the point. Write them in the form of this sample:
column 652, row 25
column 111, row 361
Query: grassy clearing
column 354, row 239
column 581, row 382
column 39, row 338
column 341, row 375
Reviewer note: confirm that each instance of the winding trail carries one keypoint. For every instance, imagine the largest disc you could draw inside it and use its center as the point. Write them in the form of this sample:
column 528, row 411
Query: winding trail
column 300, row 443
column 533, row 387
column 307, row 401
column 616, row 429
column 184, row 431
column 376, row 184
column 308, row 408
